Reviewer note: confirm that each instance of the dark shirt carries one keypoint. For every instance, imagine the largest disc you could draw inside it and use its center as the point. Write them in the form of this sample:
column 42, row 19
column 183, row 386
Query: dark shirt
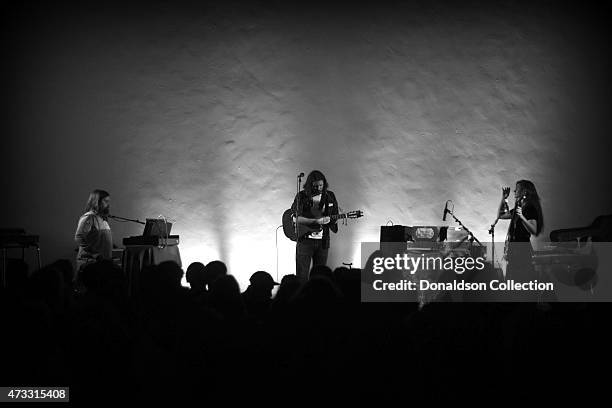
column 517, row 231
column 329, row 206
column 257, row 304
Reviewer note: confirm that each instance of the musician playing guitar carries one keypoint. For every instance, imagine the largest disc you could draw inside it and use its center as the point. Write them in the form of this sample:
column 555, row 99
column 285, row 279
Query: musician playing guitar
column 317, row 204
column 526, row 219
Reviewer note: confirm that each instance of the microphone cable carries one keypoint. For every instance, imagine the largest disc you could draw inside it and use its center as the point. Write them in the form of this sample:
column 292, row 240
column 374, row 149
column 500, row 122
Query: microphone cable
column 276, row 243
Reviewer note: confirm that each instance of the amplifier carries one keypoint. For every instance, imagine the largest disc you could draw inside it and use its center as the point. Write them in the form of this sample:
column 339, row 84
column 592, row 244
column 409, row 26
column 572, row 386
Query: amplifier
column 395, row 233
column 151, row 240
column 428, row 233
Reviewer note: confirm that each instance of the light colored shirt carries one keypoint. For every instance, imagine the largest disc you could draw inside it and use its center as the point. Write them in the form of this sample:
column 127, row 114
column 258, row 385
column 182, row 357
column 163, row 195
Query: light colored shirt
column 316, row 201
column 94, row 237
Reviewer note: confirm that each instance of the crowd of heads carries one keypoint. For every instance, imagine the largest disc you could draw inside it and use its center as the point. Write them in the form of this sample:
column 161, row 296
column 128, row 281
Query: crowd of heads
column 103, row 326
column 151, row 338
column 211, row 285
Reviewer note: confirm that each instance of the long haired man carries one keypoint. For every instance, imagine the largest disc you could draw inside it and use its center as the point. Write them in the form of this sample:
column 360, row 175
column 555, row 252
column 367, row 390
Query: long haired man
column 93, row 234
column 316, row 206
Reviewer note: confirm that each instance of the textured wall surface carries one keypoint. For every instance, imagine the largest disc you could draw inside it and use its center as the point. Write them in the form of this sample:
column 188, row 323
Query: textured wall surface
column 206, row 114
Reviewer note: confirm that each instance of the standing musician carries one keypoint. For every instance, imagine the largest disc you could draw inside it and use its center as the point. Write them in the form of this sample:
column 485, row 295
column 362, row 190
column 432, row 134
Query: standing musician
column 93, row 234
column 526, row 220
column 317, row 204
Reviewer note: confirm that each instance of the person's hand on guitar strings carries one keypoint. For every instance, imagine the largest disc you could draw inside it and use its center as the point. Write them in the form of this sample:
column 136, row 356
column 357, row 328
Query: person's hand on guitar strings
column 344, row 220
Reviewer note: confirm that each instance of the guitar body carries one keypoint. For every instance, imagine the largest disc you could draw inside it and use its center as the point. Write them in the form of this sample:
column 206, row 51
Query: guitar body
column 289, row 227
column 303, row 229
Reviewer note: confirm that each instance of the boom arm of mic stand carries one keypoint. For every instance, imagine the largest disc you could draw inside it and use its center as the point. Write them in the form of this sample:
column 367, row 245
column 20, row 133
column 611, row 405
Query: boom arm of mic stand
column 465, row 228
column 127, row 219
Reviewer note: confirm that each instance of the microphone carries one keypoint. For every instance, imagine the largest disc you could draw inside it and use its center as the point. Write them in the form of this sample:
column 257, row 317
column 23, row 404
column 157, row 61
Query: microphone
column 300, row 175
column 445, row 211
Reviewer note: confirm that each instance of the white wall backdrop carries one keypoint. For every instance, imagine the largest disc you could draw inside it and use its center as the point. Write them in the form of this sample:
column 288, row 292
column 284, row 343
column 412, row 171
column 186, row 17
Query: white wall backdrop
column 207, row 114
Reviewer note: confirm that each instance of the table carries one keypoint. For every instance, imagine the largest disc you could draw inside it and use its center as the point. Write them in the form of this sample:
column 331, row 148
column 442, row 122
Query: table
column 138, row 257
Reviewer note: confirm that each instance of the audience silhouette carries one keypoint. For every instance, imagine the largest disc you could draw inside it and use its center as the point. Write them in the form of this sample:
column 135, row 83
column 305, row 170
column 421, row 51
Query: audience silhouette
column 168, row 342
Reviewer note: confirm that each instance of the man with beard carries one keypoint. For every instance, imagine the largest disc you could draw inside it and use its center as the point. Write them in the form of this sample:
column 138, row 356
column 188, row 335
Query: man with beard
column 93, row 234
column 317, row 206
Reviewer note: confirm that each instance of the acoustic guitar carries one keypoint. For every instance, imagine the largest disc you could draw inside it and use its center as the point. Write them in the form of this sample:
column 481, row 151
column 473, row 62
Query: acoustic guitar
column 305, row 229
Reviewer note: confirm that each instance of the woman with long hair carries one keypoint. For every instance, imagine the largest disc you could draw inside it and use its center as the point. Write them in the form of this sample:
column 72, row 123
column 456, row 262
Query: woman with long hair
column 526, row 220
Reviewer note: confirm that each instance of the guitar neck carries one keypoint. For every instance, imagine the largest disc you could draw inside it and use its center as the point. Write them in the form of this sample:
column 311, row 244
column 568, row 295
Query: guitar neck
column 337, row 217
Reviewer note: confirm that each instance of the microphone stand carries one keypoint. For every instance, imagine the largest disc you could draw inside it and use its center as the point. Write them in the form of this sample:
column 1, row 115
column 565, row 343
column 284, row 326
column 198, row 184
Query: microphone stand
column 297, row 213
column 492, row 233
column 126, row 219
column 470, row 234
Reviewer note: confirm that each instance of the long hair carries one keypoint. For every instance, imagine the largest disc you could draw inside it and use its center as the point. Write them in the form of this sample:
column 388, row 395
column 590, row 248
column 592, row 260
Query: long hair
column 315, row 175
column 527, row 189
column 95, row 200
